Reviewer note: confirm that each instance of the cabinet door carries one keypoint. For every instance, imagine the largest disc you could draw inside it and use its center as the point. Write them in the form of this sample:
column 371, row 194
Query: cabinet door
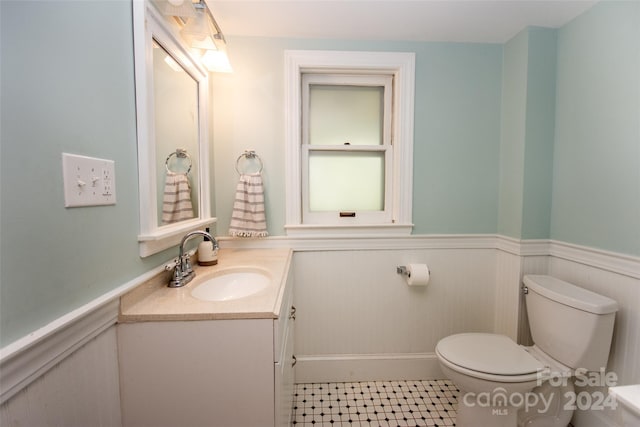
column 202, row 373
column 284, row 380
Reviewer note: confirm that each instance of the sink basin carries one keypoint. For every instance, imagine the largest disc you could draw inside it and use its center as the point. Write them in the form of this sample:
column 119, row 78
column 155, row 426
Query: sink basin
column 231, row 284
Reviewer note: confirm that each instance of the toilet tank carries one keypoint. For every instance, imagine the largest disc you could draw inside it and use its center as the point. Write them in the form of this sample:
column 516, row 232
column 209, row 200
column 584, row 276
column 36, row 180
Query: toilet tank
column 571, row 324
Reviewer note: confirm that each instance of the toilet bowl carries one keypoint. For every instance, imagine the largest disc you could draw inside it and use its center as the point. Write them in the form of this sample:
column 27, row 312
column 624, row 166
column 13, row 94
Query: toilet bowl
column 503, row 384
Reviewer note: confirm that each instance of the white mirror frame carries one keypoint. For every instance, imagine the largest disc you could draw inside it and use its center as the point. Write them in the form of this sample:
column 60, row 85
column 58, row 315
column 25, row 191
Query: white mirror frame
column 149, row 24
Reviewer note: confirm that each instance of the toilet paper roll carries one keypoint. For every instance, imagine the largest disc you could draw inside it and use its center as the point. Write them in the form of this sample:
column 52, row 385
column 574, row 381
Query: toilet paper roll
column 418, row 275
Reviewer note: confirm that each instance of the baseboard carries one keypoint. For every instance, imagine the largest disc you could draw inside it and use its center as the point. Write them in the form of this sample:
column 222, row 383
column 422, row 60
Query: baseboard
column 367, row 367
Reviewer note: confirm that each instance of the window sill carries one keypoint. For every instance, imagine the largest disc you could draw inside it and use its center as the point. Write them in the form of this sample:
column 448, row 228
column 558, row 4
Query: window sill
column 364, row 230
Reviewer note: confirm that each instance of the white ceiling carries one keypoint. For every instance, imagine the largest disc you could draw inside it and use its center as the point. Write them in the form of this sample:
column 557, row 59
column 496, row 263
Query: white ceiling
column 479, row 21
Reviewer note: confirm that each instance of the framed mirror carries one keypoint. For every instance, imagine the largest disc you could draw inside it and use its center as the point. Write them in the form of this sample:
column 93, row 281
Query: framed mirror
column 172, row 109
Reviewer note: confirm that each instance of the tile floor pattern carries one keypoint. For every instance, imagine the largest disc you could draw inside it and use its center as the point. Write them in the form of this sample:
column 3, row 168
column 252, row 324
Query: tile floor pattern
column 376, row 403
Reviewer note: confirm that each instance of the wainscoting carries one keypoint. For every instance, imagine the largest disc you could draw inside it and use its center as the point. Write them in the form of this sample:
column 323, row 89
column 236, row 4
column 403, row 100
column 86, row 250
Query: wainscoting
column 357, row 320
column 80, row 391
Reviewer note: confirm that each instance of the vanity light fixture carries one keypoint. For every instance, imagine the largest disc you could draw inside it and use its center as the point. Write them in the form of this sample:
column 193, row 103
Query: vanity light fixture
column 181, row 8
column 202, row 32
column 216, row 61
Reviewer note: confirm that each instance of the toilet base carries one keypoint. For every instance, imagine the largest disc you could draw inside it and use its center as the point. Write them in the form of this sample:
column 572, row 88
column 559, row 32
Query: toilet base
column 473, row 412
column 551, row 410
column 500, row 409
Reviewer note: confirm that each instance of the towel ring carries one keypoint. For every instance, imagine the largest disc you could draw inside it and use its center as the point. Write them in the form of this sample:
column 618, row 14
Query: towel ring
column 249, row 154
column 180, row 153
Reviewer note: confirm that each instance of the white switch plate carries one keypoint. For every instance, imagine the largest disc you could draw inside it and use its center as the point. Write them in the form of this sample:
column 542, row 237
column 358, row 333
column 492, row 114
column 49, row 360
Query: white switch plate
column 88, row 181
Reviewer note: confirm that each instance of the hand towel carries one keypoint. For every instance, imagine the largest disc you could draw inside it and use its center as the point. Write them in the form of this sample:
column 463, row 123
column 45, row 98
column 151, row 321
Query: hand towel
column 248, row 217
column 176, row 201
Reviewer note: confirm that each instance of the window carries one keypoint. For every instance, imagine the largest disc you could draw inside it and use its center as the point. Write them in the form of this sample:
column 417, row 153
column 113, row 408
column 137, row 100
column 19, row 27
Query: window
column 346, row 145
column 349, row 142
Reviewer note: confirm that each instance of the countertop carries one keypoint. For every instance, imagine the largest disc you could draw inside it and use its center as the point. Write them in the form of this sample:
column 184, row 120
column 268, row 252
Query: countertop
column 154, row 301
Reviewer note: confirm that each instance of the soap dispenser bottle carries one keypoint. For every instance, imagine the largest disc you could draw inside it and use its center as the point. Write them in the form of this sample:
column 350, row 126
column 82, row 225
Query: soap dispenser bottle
column 207, row 254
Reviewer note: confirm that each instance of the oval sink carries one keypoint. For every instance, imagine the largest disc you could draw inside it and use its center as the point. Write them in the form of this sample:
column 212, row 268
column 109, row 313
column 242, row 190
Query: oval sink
column 231, row 284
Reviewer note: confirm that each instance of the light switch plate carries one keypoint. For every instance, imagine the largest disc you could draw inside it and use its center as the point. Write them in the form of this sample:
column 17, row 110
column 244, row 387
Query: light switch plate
column 88, row 181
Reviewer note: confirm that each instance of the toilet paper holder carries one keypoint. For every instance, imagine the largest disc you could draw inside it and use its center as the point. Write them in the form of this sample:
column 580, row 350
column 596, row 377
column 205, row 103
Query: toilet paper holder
column 402, row 269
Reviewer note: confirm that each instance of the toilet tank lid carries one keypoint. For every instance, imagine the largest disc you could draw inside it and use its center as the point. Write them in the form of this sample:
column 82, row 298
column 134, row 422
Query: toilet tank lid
column 571, row 295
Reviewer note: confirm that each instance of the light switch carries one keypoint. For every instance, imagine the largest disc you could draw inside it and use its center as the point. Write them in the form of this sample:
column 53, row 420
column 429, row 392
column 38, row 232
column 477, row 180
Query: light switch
column 88, row 181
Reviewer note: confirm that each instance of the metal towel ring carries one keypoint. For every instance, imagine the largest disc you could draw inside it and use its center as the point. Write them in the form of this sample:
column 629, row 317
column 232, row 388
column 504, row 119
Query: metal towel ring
column 180, row 153
column 249, row 154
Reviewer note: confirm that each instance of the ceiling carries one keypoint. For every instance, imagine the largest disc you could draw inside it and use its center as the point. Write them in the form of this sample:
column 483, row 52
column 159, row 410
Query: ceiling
column 478, row 21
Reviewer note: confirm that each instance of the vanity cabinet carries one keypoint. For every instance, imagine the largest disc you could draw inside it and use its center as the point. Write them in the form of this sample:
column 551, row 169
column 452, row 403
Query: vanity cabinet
column 226, row 372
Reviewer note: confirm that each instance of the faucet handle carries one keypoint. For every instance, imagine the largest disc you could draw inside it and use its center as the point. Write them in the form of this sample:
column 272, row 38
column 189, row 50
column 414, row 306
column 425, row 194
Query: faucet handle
column 176, row 280
column 186, row 264
column 171, row 265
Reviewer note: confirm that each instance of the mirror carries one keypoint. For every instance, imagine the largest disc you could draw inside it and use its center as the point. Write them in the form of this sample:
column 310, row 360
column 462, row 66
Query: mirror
column 175, row 103
column 172, row 103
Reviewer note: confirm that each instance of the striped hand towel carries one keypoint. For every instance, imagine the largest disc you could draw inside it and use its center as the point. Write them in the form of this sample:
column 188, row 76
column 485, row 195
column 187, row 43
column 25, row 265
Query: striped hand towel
column 176, row 201
column 248, row 217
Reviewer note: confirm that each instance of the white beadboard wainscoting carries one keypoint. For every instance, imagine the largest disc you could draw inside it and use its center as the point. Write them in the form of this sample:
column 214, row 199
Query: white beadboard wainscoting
column 356, row 319
column 66, row 373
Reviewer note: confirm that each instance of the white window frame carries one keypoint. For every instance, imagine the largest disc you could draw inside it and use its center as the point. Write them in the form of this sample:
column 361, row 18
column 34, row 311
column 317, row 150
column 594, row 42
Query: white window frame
column 399, row 179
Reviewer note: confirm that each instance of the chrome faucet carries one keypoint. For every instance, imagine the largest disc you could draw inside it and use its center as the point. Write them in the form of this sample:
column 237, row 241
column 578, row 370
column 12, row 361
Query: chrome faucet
column 182, row 271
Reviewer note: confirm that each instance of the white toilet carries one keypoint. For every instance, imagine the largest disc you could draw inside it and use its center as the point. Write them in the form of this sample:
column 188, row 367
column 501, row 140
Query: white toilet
column 503, row 384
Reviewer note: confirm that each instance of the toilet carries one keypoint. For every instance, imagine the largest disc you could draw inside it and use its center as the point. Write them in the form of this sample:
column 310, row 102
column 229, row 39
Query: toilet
column 503, row 384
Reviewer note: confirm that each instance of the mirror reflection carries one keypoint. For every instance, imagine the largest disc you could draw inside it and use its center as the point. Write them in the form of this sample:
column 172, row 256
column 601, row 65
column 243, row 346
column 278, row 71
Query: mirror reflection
column 175, row 95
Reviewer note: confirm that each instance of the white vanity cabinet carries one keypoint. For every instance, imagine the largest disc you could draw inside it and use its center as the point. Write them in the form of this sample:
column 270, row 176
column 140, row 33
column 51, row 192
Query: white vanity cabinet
column 220, row 372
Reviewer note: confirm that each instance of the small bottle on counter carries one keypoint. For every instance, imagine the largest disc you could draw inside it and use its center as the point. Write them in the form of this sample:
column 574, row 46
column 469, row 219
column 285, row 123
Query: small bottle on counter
column 207, row 254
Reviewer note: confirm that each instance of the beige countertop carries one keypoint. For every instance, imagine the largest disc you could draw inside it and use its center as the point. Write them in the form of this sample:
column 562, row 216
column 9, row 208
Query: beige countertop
column 154, row 301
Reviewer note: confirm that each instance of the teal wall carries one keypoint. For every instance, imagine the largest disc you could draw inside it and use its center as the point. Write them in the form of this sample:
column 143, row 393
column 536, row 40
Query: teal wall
column 527, row 132
column 457, row 128
column 539, row 131
column 67, row 86
column 512, row 137
column 596, row 184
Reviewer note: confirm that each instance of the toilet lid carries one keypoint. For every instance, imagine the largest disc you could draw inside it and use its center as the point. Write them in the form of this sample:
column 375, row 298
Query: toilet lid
column 488, row 353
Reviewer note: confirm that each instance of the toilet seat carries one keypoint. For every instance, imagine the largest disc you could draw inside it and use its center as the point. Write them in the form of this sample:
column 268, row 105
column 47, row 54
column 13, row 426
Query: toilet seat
column 490, row 357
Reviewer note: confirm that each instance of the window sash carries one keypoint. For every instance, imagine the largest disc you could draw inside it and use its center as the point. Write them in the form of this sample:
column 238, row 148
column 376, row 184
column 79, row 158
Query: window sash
column 384, row 216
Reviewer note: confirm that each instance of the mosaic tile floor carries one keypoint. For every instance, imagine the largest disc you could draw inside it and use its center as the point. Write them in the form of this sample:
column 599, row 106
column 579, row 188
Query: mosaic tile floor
column 376, row 403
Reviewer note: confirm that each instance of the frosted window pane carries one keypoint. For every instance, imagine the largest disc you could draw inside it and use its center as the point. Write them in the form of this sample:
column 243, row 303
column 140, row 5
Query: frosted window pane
column 339, row 114
column 346, row 181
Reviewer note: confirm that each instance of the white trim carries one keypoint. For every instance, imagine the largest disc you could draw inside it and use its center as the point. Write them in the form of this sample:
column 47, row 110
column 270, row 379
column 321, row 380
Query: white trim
column 26, row 359
column 533, row 247
column 367, row 367
column 155, row 242
column 402, row 66
column 614, row 262
column 325, row 242
column 324, row 239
